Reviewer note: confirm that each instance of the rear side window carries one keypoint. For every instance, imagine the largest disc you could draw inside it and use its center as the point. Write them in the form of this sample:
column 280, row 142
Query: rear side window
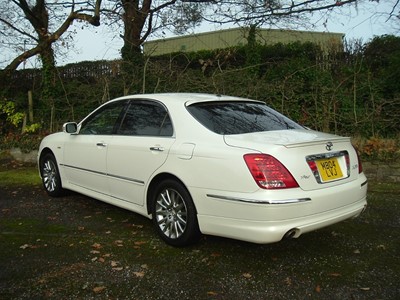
column 239, row 117
column 146, row 118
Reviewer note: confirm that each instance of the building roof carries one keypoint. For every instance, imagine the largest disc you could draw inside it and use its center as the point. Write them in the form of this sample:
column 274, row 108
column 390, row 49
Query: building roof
column 238, row 37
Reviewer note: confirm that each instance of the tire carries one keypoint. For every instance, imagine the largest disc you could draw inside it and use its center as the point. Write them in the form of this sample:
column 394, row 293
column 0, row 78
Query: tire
column 174, row 214
column 51, row 176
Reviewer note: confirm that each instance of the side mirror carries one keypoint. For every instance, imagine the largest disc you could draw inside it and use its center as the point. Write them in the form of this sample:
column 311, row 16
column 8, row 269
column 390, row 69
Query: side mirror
column 70, row 127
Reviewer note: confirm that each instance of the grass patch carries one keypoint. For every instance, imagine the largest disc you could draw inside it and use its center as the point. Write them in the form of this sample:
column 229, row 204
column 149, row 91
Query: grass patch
column 20, row 177
column 383, row 187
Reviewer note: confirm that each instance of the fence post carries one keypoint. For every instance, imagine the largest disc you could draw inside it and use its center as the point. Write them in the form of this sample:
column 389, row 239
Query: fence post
column 30, row 103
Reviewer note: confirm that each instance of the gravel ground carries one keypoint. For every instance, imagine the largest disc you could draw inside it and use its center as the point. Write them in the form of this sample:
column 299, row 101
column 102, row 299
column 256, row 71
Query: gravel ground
column 75, row 247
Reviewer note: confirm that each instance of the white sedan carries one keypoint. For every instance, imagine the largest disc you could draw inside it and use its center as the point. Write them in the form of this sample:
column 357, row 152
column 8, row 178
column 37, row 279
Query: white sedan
column 211, row 164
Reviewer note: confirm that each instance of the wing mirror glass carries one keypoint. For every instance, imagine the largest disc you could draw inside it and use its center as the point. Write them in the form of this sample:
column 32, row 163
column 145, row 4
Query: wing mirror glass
column 70, row 127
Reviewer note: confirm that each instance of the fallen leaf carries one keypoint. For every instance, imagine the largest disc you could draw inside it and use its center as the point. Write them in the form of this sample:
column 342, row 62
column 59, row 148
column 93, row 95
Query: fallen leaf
column 87, row 217
column 318, row 289
column 381, row 247
column 247, row 275
column 99, row 289
column 211, row 293
column 139, row 274
column 24, row 246
column 288, row 281
column 335, row 274
column 101, row 259
column 94, row 252
column 118, row 269
column 356, row 251
column 96, row 246
column 114, row 263
column 365, row 288
column 119, row 243
column 144, row 266
column 94, row 259
column 139, row 243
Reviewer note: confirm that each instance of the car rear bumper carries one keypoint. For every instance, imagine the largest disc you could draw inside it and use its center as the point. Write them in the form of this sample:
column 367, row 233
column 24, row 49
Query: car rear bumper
column 263, row 232
column 263, row 222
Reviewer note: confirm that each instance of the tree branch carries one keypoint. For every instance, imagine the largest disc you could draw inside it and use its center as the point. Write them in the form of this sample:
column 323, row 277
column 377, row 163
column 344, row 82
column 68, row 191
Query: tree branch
column 160, row 7
column 17, row 29
column 393, row 9
column 21, row 58
column 277, row 12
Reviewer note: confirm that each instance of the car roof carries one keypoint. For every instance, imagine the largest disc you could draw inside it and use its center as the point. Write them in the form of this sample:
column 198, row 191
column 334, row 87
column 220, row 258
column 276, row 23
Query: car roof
column 185, row 98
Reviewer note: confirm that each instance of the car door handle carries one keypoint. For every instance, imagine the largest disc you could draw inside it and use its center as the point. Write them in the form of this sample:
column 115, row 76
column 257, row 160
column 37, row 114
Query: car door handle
column 160, row 149
column 101, row 145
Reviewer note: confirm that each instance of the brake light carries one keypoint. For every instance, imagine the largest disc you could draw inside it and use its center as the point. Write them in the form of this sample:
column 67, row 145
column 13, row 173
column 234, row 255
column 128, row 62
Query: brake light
column 268, row 172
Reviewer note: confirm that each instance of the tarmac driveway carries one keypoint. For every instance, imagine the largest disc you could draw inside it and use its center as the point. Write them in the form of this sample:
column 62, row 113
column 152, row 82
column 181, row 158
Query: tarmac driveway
column 75, row 247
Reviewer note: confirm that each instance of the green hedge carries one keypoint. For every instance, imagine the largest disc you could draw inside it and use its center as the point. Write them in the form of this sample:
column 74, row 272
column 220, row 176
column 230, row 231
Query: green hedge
column 350, row 93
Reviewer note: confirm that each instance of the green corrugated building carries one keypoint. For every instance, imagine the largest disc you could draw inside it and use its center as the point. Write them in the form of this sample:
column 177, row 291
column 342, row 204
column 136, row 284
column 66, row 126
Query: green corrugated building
column 238, row 36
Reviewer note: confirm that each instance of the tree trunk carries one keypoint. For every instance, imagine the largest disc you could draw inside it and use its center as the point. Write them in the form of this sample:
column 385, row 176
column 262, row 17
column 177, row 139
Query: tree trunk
column 134, row 19
column 49, row 73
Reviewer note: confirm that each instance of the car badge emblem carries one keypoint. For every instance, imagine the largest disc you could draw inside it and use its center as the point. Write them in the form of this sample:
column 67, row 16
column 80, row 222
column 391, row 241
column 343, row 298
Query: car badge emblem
column 329, row 146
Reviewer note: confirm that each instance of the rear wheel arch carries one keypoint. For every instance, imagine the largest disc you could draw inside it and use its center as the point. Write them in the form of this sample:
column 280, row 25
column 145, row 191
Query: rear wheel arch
column 173, row 211
column 155, row 182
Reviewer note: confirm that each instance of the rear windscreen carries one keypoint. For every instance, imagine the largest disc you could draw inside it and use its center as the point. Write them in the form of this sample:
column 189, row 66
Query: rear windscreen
column 239, row 117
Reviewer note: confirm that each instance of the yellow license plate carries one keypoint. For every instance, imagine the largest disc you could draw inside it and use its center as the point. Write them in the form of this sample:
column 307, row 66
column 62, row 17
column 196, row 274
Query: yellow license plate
column 329, row 169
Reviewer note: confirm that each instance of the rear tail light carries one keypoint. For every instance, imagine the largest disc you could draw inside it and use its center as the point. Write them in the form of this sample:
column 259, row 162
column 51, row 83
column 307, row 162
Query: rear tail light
column 268, row 172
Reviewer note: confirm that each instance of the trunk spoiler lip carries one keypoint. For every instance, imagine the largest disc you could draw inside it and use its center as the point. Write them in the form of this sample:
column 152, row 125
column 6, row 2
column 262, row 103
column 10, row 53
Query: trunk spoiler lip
column 285, row 138
column 317, row 142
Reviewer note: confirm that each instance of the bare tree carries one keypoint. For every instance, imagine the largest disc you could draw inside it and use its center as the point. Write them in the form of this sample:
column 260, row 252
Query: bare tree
column 39, row 24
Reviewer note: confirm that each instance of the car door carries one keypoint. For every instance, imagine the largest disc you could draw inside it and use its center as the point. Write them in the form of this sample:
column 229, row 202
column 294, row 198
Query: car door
column 85, row 153
column 138, row 149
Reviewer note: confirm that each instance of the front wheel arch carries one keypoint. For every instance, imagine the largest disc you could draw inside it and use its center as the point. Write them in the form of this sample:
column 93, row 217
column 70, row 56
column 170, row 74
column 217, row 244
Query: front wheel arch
column 50, row 174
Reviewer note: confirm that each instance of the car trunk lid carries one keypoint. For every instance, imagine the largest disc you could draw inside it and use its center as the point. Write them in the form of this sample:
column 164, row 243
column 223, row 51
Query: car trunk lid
column 316, row 160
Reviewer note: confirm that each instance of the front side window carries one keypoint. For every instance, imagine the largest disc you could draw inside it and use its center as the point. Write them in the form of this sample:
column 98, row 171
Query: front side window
column 103, row 120
column 146, row 118
column 239, row 117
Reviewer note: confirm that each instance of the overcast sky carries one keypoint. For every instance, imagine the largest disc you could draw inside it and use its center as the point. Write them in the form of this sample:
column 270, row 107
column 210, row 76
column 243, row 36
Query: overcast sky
column 362, row 24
